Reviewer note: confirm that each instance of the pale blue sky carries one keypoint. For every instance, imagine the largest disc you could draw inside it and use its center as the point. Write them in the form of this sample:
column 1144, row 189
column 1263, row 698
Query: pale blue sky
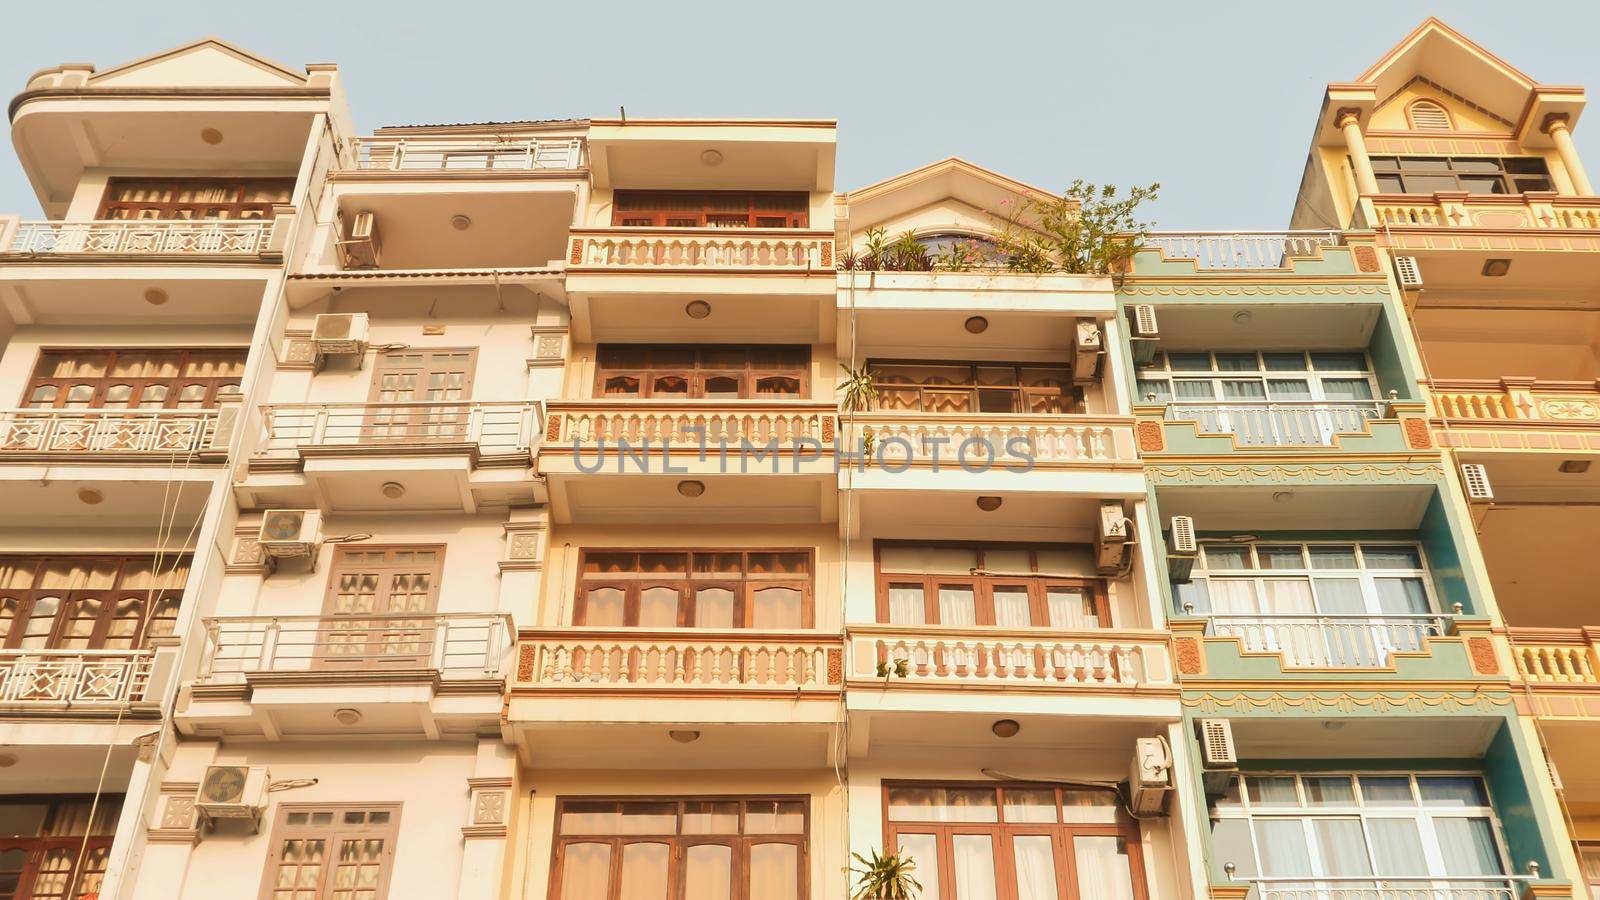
column 1215, row 99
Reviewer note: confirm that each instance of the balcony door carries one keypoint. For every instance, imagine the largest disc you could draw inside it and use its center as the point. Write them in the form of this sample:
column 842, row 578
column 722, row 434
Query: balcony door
column 378, row 612
column 422, row 390
column 51, row 849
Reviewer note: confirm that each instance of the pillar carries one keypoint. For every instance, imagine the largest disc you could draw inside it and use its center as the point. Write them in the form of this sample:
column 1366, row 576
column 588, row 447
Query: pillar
column 1557, row 125
column 1349, row 121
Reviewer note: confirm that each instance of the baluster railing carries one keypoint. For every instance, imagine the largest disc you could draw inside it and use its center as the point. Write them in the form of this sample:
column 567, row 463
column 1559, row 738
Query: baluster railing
column 606, row 659
column 1240, row 249
column 1286, row 424
column 155, row 432
column 715, row 248
column 998, row 657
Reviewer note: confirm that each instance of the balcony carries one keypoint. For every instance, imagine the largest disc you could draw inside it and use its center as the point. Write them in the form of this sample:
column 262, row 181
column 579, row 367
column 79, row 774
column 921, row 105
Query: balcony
column 1001, row 660
column 148, row 240
column 41, row 680
column 1241, row 250
column 1338, row 887
column 1517, row 414
column 736, row 250
column 1540, row 220
column 1332, row 641
column 615, row 661
column 429, row 674
column 153, row 436
column 445, row 455
column 457, row 157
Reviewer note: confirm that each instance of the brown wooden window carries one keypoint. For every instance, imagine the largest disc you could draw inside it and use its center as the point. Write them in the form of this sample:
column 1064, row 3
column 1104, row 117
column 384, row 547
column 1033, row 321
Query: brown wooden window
column 711, row 209
column 89, row 602
column 1017, row 842
column 134, row 379
column 340, row 852
column 1473, row 174
column 55, row 848
column 194, row 198
column 1008, row 585
column 374, row 593
column 711, row 848
column 974, row 387
column 769, row 589
column 422, row 392
column 686, row 372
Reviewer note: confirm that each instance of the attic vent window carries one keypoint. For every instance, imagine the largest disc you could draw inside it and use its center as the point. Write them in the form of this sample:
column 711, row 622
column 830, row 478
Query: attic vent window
column 1427, row 115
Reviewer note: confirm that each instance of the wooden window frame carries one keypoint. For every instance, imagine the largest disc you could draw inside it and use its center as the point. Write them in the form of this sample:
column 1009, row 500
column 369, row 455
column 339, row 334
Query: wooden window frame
column 1508, row 179
column 793, row 207
column 70, row 601
column 678, row 842
column 1062, row 833
column 103, row 383
column 745, row 585
column 332, row 833
column 235, row 209
column 1071, row 396
column 983, row 584
column 36, row 846
column 697, row 371
column 420, row 621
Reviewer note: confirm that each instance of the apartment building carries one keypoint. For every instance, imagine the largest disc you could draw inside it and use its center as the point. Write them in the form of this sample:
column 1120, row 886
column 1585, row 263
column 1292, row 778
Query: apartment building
column 475, row 510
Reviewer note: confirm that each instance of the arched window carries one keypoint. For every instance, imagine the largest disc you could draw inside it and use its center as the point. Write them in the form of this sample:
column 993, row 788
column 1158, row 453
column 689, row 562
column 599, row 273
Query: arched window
column 1426, row 115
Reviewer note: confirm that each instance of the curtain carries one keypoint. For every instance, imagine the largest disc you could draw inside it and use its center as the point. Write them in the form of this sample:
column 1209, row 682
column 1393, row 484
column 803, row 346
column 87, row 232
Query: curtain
column 777, row 607
column 585, row 871
column 644, row 872
column 1102, row 864
column 1233, row 597
column 1282, row 845
column 1401, row 596
column 1303, row 643
column 1350, row 643
column 906, row 605
column 713, row 607
column 708, row 872
column 957, row 605
column 1069, row 608
column 1011, row 607
column 1467, row 846
column 1036, row 867
column 774, row 871
column 1346, row 389
column 658, row 607
column 923, row 849
column 1397, row 847
column 1342, row 845
column 973, row 855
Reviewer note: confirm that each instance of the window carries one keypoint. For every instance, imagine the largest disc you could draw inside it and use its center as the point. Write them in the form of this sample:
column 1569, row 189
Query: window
column 711, row 209
column 1345, row 605
column 711, row 848
column 134, row 379
column 422, row 393
column 1393, row 827
column 1273, row 398
column 1018, row 842
column 719, row 372
column 89, row 602
column 1009, row 585
column 1473, row 174
column 967, row 387
column 55, row 848
column 194, row 198
column 981, row 250
column 372, row 592
column 1426, row 115
column 331, row 852
column 769, row 589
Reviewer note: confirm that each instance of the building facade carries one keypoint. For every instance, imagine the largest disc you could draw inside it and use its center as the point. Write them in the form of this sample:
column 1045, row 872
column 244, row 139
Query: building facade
column 614, row 509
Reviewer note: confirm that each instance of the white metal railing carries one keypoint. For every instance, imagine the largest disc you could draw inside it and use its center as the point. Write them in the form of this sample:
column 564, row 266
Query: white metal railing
column 1331, row 641
column 1379, row 887
column 454, row 645
column 752, row 249
column 499, row 427
column 1279, row 424
column 156, row 432
column 1000, row 658
column 720, row 660
column 1240, row 249
column 154, row 237
column 74, row 677
column 430, row 154
column 1013, row 440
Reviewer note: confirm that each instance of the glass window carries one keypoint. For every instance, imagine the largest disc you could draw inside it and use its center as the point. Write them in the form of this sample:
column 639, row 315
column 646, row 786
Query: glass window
column 1474, row 174
column 1007, row 586
column 963, row 387
column 718, row 589
column 710, row 372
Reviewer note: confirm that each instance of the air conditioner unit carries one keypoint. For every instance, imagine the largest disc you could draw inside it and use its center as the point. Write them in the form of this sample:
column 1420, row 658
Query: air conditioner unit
column 1145, row 333
column 1149, row 777
column 1406, row 272
column 1182, row 548
column 340, row 334
column 1112, row 537
column 290, row 533
column 1219, row 762
column 1087, row 348
column 1475, row 478
column 360, row 248
column 232, row 792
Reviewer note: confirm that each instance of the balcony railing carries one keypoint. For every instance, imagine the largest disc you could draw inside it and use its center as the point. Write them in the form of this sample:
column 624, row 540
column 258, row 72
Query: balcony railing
column 1240, row 249
column 1331, row 641
column 491, row 427
column 690, row 425
column 1451, row 210
column 1405, row 887
column 1524, row 399
column 462, row 646
column 151, row 237
column 154, row 433
column 710, row 661
column 1002, row 658
column 425, row 154
column 994, row 439
column 1279, row 424
column 1554, row 656
column 69, row 678
column 704, row 249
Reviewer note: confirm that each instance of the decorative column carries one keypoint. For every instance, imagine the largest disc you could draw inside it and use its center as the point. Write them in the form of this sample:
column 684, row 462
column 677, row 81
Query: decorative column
column 487, row 827
column 1557, row 125
column 1349, row 121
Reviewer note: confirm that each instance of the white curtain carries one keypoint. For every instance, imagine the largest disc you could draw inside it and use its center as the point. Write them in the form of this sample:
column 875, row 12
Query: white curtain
column 923, row 849
column 774, row 872
column 1301, row 642
column 1102, row 864
column 1011, row 607
column 708, row 872
column 1036, row 867
column 1467, row 846
column 585, row 871
column 1342, row 845
column 644, row 872
column 1282, row 846
column 1397, row 847
column 957, row 605
column 906, row 605
column 1070, row 609
column 974, row 866
column 1233, row 597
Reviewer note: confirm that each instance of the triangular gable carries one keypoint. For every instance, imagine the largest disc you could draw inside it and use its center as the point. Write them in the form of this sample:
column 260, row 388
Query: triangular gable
column 1439, row 56
column 1399, row 111
column 956, row 192
column 208, row 62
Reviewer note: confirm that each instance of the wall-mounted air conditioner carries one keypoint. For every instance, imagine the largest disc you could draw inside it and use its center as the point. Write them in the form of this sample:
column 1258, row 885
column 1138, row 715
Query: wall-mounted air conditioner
column 1145, row 334
column 1113, row 537
column 360, row 247
column 232, row 792
column 340, row 334
column 1219, row 762
column 1182, row 548
column 290, row 533
column 1088, row 347
column 1149, row 777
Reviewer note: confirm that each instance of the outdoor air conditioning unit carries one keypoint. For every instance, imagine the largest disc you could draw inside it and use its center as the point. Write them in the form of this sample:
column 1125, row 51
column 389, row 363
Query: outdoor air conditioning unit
column 340, row 334
column 290, row 533
column 1145, row 334
column 1475, row 478
column 1112, row 538
column 360, row 248
column 1149, row 777
column 1087, row 348
column 1219, row 762
column 1406, row 272
column 232, row 792
column 1182, row 548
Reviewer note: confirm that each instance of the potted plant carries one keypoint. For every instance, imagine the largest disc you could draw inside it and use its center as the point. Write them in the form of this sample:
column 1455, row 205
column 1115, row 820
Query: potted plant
column 1089, row 230
column 856, row 394
column 885, row 876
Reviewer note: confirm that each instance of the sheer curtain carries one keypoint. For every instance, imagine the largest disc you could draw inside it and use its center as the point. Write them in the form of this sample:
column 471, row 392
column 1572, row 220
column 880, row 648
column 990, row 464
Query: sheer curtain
column 708, row 872
column 1036, row 866
column 1102, row 868
column 585, row 871
column 1300, row 639
column 1397, row 847
column 1467, row 846
column 923, row 849
column 973, row 855
column 1343, row 847
column 1350, row 643
column 644, row 872
column 1069, row 608
column 775, row 871
column 906, row 605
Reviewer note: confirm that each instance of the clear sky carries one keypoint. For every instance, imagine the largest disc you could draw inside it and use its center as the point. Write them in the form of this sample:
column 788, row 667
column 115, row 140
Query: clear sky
column 1215, row 99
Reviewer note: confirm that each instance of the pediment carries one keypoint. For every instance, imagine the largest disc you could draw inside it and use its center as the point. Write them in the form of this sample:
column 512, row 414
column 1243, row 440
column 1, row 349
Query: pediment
column 208, row 63
column 1436, row 57
column 951, row 194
